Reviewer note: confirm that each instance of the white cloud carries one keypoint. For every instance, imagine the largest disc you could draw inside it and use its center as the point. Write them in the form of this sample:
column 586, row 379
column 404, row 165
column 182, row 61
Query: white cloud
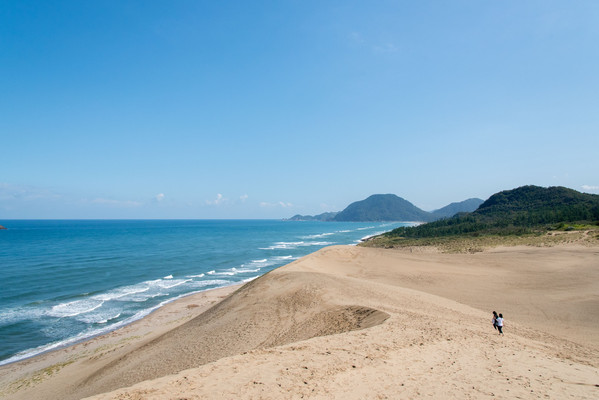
column 386, row 48
column 277, row 204
column 25, row 193
column 590, row 188
column 325, row 206
column 218, row 201
column 116, row 203
column 357, row 38
column 243, row 197
column 33, row 200
column 159, row 197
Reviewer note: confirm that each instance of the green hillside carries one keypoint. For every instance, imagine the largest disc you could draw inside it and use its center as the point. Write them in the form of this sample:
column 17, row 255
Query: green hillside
column 452, row 209
column 516, row 211
column 383, row 207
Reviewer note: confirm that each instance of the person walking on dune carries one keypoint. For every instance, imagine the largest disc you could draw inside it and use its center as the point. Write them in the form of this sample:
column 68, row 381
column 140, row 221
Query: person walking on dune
column 494, row 320
column 499, row 323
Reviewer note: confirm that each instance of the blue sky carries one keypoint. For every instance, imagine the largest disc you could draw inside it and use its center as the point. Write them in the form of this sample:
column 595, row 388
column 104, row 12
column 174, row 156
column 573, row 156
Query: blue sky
column 238, row 109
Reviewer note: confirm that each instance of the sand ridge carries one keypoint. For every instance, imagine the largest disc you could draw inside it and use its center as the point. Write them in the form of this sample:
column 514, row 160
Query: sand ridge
column 350, row 322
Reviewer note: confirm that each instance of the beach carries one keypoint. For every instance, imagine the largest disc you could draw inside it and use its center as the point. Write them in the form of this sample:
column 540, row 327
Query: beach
column 352, row 322
column 102, row 275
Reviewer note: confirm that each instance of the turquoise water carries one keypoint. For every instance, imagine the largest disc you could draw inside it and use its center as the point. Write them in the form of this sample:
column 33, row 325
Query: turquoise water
column 65, row 281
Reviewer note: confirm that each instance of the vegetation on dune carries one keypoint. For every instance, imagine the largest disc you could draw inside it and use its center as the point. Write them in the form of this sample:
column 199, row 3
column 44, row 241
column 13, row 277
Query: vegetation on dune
column 587, row 235
column 527, row 212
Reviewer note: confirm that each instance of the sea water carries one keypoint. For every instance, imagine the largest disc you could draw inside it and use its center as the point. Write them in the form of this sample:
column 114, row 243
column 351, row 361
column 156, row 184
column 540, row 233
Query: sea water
column 65, row 281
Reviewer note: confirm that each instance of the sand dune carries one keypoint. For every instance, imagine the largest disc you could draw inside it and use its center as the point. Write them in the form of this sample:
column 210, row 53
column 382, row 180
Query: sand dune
column 353, row 323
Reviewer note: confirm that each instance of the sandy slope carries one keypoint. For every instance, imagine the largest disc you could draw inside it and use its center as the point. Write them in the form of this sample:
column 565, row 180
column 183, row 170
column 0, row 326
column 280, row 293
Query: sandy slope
column 350, row 322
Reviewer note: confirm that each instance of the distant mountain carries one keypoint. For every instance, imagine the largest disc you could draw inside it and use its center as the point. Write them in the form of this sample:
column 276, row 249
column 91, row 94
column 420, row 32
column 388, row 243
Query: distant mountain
column 384, row 207
column 327, row 216
column 454, row 208
column 389, row 207
column 514, row 211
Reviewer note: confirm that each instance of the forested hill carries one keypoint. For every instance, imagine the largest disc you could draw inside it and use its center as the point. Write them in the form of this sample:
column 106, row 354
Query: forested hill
column 529, row 205
column 514, row 211
column 384, row 207
column 389, row 207
column 454, row 208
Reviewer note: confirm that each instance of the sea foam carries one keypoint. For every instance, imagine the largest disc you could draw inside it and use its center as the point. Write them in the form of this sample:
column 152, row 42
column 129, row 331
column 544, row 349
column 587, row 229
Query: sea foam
column 110, row 273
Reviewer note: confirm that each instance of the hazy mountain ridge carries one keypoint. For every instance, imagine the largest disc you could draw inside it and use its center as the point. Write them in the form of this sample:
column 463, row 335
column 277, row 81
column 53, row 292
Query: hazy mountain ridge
column 452, row 209
column 327, row 216
column 389, row 207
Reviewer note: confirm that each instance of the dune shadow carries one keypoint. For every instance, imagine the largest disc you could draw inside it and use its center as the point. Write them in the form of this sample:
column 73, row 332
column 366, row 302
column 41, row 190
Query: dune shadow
column 329, row 322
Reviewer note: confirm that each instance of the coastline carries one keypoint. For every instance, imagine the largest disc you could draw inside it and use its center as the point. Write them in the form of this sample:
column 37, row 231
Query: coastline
column 19, row 375
column 37, row 352
column 329, row 310
column 92, row 286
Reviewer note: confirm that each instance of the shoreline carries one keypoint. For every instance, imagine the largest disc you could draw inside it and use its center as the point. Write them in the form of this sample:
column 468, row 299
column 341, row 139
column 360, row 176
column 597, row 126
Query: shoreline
column 340, row 302
column 78, row 315
column 73, row 341
column 168, row 316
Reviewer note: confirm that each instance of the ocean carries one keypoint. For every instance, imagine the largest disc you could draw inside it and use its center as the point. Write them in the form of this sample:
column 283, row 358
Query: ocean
column 64, row 281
